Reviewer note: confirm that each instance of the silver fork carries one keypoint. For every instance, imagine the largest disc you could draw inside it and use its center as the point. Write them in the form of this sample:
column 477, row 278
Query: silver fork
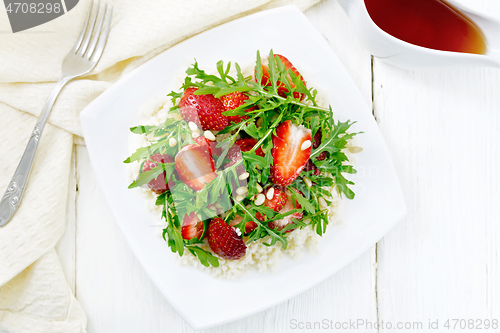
column 80, row 60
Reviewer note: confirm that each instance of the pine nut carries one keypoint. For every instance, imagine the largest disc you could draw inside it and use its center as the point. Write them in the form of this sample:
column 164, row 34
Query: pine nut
column 239, row 198
column 306, row 144
column 244, row 176
column 194, row 135
column 270, row 193
column 192, row 126
column 322, row 203
column 172, row 142
column 355, row 150
column 260, row 199
column 307, row 181
column 209, row 135
column 259, row 188
column 242, row 190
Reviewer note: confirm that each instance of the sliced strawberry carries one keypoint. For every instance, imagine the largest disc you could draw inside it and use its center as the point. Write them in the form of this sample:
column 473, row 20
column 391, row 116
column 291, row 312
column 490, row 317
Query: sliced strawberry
column 211, row 146
column 282, row 89
column 316, row 142
column 192, row 227
column 311, row 167
column 203, row 110
column 195, row 166
column 249, row 226
column 248, row 144
column 234, row 153
column 290, row 204
column 224, row 241
column 232, row 101
column 288, row 157
column 158, row 185
column 277, row 202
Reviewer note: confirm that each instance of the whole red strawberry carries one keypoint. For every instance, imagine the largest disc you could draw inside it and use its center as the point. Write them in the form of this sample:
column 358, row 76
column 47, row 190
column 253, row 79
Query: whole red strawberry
column 276, row 203
column 158, row 184
column 290, row 151
column 203, row 110
column 232, row 101
column 192, row 227
column 195, row 166
column 290, row 204
column 282, row 89
column 224, row 241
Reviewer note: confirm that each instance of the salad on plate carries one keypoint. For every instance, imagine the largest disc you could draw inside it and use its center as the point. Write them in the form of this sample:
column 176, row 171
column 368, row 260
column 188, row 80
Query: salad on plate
column 244, row 166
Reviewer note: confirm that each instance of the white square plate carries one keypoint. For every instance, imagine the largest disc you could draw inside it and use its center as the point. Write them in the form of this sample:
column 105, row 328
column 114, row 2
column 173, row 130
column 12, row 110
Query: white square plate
column 203, row 300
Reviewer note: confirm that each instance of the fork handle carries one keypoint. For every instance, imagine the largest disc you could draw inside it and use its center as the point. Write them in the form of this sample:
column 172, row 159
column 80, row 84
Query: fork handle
column 12, row 197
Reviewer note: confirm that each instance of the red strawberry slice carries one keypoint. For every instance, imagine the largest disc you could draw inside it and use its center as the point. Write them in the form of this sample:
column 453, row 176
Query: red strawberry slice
column 195, row 166
column 234, row 153
column 288, row 157
column 248, row 144
column 282, row 89
column 224, row 241
column 277, row 202
column 316, row 142
column 249, row 226
column 192, row 227
column 232, row 101
column 158, row 185
column 210, row 146
column 290, row 204
column 311, row 167
column 203, row 110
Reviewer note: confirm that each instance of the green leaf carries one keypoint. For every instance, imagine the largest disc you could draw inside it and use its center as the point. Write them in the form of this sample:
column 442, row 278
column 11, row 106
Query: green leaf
column 146, row 177
column 205, row 257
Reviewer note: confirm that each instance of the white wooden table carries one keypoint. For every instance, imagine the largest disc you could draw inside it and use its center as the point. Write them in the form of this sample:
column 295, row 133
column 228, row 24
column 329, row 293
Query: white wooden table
column 441, row 262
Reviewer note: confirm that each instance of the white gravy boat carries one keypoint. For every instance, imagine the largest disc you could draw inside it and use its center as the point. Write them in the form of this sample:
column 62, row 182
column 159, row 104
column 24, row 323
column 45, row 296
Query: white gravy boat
column 409, row 56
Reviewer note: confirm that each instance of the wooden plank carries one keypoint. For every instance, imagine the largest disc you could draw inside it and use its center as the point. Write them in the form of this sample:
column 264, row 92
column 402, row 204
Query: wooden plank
column 66, row 247
column 443, row 131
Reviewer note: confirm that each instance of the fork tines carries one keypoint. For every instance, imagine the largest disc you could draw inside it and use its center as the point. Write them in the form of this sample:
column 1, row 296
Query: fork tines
column 90, row 44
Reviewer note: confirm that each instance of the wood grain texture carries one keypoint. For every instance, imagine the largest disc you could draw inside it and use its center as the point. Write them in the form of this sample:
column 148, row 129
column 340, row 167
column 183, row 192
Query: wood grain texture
column 443, row 130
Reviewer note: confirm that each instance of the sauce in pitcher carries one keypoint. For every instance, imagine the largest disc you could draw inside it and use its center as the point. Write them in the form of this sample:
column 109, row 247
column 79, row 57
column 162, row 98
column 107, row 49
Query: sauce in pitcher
column 434, row 24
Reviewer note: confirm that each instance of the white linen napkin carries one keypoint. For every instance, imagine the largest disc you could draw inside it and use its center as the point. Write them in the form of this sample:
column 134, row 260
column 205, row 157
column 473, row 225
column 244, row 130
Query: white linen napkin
column 34, row 295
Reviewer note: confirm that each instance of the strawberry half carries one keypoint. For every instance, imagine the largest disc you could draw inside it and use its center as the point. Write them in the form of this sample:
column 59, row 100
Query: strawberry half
column 311, row 167
column 290, row 204
column 288, row 157
column 195, row 166
column 316, row 142
column 192, row 227
column 158, row 184
column 224, row 241
column 203, row 110
column 234, row 153
column 210, row 146
column 249, row 226
column 248, row 144
column 282, row 89
column 232, row 101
